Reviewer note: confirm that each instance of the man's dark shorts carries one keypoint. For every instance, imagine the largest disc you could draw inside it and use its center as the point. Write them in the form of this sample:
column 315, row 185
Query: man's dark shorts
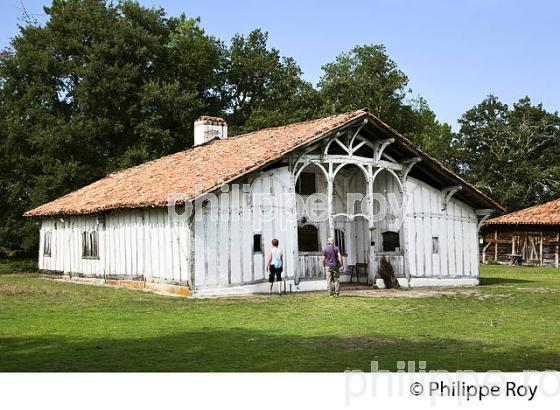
column 274, row 272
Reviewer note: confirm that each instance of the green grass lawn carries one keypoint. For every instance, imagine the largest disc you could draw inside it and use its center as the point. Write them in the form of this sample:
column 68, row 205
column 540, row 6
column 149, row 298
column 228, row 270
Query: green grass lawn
column 512, row 322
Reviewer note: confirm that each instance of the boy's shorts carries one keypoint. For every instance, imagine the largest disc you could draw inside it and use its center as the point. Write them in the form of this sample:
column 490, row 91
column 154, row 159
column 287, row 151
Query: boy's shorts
column 274, row 273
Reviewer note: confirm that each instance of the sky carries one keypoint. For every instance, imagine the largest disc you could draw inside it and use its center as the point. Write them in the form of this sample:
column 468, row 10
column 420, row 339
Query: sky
column 454, row 52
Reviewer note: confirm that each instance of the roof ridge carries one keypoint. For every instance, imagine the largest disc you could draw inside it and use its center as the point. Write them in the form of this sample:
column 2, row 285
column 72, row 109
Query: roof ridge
column 348, row 113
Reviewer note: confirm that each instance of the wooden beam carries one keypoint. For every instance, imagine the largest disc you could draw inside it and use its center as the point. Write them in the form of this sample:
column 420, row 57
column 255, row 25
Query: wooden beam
column 408, row 163
column 330, row 181
column 364, row 122
column 304, row 152
column 541, row 250
column 353, row 160
column 484, row 214
column 496, row 245
column 484, row 252
column 557, row 249
column 344, row 147
column 380, row 147
column 448, row 192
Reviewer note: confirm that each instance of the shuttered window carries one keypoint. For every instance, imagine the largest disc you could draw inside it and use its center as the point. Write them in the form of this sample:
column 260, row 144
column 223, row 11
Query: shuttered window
column 47, row 245
column 90, row 245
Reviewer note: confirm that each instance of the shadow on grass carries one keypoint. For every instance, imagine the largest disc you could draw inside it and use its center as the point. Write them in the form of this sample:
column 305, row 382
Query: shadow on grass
column 240, row 349
column 486, row 281
column 13, row 265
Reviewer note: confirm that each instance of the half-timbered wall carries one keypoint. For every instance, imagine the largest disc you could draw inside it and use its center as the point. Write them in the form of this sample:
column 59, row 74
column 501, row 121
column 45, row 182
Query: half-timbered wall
column 455, row 229
column 224, row 232
column 142, row 243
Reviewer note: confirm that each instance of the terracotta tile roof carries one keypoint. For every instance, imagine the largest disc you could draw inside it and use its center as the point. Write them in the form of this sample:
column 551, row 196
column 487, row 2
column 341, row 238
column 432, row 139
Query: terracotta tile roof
column 205, row 168
column 544, row 214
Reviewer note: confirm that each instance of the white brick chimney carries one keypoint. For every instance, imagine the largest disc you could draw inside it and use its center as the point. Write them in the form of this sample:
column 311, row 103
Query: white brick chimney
column 207, row 128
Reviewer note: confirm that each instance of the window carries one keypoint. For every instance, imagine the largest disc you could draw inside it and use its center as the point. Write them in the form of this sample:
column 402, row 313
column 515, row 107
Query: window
column 308, row 238
column 339, row 240
column 257, row 243
column 47, row 244
column 306, row 184
column 391, row 241
column 90, row 245
column 435, row 245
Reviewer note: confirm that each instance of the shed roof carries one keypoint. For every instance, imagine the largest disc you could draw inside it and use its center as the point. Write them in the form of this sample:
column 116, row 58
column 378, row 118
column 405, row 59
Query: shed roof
column 543, row 214
column 204, row 168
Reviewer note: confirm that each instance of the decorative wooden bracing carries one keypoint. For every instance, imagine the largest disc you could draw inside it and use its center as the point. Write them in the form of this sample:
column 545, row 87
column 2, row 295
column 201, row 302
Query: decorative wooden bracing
column 483, row 215
column 351, row 160
column 305, row 162
column 408, row 164
column 297, row 161
column 447, row 193
column 355, row 135
column 350, row 141
column 346, row 147
column 380, row 147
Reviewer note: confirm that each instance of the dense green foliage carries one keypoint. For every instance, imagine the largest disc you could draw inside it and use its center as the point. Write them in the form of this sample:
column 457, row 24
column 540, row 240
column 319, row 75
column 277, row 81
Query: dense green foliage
column 103, row 86
column 511, row 153
column 99, row 87
column 509, row 323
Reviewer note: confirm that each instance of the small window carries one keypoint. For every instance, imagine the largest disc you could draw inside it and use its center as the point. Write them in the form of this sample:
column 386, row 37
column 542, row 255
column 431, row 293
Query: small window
column 90, row 245
column 391, row 241
column 306, row 184
column 339, row 240
column 435, row 245
column 257, row 243
column 47, row 244
column 308, row 238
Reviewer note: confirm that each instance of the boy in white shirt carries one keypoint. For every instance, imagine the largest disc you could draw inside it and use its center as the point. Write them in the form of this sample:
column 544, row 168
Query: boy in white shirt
column 275, row 266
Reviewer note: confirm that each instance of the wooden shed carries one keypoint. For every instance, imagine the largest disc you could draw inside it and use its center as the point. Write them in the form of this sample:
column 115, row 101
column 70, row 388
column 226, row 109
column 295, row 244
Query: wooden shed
column 527, row 237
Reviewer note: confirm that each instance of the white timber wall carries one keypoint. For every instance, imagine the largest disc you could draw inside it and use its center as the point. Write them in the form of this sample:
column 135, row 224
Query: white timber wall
column 456, row 230
column 142, row 243
column 147, row 244
column 225, row 226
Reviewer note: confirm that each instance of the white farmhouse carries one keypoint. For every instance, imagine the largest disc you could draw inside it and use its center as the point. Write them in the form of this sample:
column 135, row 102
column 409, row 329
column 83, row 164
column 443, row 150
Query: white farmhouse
column 204, row 218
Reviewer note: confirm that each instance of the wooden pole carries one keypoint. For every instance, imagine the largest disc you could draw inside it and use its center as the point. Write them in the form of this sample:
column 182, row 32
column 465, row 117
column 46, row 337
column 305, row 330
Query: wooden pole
column 557, row 248
column 541, row 250
column 496, row 246
column 330, row 193
column 371, row 255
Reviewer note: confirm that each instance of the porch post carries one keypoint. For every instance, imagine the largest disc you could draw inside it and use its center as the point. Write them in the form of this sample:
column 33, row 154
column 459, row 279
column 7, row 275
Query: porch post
column 371, row 227
column 330, row 192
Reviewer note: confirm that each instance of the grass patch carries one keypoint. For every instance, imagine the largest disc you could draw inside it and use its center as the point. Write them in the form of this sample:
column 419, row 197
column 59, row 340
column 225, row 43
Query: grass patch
column 511, row 324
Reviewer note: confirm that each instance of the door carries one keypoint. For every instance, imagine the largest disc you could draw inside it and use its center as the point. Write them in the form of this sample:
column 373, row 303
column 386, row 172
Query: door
column 527, row 246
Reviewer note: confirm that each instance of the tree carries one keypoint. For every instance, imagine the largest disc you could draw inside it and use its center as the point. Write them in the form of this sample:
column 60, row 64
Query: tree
column 97, row 88
column 366, row 77
column 512, row 154
column 263, row 89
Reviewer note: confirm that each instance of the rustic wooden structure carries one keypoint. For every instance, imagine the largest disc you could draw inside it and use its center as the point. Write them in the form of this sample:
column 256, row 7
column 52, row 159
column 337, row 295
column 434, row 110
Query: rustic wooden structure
column 121, row 226
column 527, row 237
